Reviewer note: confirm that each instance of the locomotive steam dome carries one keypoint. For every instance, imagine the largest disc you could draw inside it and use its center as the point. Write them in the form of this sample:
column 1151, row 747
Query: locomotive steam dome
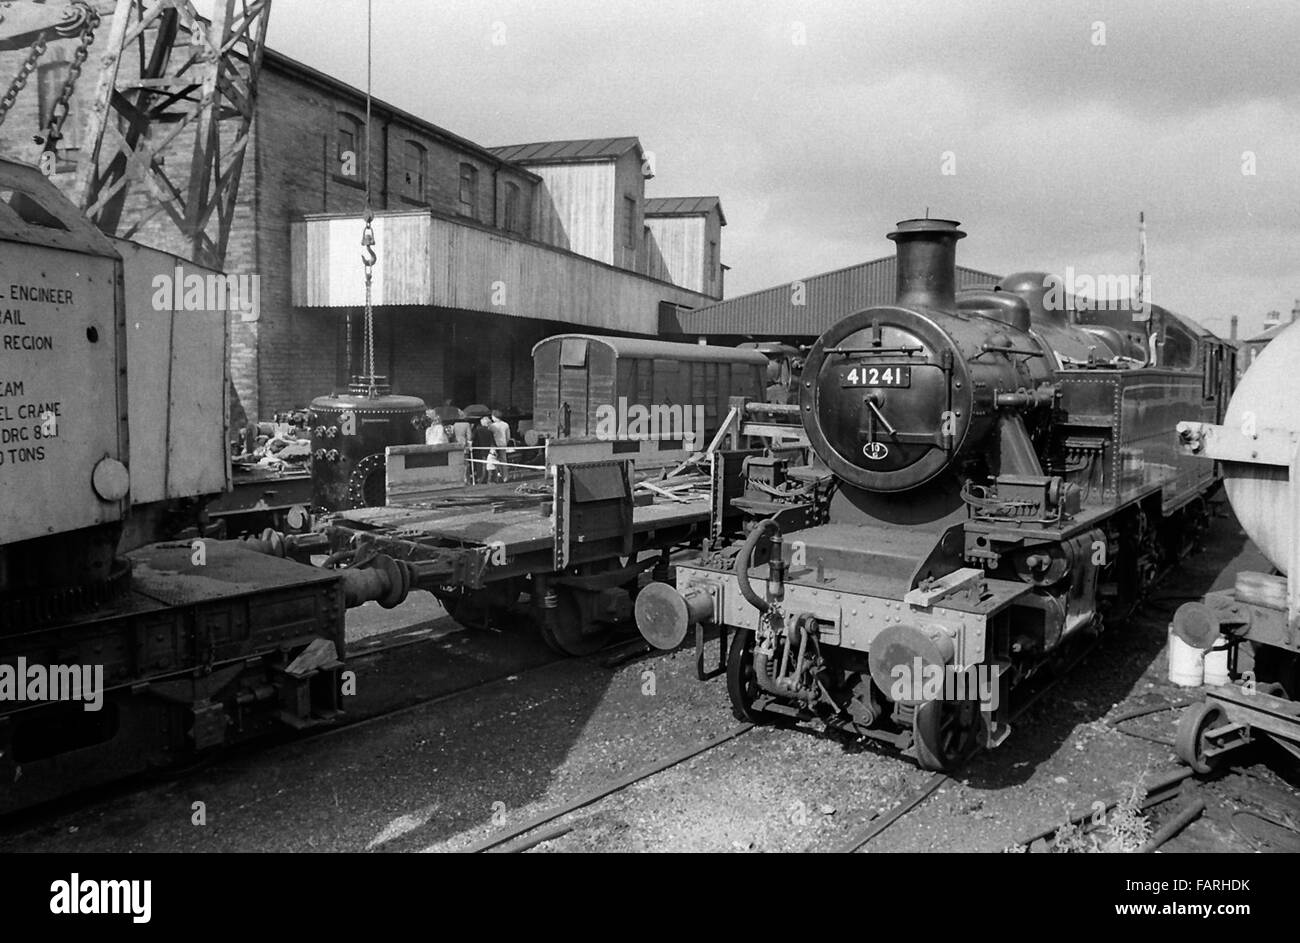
column 887, row 399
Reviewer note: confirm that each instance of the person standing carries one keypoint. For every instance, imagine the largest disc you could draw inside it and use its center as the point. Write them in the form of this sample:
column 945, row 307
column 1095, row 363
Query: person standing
column 484, row 446
column 501, row 439
column 436, row 432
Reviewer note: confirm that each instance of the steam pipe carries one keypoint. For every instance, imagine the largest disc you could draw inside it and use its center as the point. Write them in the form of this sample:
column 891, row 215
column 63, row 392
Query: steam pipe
column 746, row 554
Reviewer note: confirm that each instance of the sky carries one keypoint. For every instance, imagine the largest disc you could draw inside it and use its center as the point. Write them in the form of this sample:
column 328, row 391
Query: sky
column 1044, row 126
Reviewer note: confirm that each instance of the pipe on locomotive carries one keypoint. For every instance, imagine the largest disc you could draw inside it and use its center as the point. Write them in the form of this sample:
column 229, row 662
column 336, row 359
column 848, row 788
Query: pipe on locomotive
column 776, row 567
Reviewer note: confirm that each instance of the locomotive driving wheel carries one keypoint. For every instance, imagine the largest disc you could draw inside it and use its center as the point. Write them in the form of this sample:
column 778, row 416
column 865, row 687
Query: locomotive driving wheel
column 945, row 733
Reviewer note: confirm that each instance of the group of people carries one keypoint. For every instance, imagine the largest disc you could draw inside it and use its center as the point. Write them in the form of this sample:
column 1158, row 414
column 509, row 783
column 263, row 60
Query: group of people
column 487, row 435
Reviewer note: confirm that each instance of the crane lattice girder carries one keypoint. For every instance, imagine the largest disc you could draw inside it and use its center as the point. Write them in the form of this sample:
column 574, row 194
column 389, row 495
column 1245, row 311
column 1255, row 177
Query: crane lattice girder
column 213, row 86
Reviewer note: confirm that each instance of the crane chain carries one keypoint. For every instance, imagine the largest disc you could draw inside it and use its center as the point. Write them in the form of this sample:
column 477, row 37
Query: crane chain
column 59, row 112
column 20, row 80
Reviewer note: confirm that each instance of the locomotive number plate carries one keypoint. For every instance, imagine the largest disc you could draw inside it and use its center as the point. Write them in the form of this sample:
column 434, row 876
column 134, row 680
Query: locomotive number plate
column 878, row 375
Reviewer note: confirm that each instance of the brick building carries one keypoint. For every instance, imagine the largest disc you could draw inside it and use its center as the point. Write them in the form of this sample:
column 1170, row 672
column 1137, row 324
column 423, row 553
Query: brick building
column 1274, row 324
column 483, row 251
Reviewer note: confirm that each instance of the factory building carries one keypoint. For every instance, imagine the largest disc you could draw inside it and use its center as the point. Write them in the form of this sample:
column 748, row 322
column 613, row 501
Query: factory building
column 482, row 251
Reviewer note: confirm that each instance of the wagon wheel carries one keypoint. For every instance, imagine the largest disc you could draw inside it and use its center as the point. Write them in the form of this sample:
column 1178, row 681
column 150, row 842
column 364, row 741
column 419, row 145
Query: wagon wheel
column 570, row 633
column 945, row 733
column 1190, row 742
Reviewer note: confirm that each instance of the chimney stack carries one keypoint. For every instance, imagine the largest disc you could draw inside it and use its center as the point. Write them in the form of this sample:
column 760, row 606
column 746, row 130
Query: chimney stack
column 1295, row 311
column 927, row 262
column 1232, row 331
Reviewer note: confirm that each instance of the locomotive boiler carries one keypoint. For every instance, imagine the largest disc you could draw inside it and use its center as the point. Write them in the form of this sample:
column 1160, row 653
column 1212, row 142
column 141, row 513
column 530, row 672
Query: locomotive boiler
column 349, row 432
column 994, row 473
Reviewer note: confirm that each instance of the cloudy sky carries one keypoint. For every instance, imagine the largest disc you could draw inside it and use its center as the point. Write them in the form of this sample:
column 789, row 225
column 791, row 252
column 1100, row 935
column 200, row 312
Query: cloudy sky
column 820, row 124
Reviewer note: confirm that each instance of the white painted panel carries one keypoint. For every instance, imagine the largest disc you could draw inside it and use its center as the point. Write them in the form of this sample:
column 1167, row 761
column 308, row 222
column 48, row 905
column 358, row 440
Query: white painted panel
column 176, row 373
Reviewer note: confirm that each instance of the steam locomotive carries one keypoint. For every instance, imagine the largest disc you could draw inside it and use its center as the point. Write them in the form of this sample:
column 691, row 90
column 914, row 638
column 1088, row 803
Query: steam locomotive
column 995, row 473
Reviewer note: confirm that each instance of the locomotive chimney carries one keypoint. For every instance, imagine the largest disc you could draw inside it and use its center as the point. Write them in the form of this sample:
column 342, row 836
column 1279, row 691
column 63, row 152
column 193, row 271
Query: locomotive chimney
column 927, row 262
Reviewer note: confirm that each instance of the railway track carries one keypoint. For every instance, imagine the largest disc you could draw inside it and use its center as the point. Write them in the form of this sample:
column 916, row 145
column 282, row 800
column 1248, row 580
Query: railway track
column 555, row 822
column 513, row 838
column 911, row 800
column 612, row 655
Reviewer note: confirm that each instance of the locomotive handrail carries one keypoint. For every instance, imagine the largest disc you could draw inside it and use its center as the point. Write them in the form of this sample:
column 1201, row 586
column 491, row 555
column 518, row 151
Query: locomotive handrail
column 876, row 350
column 991, row 348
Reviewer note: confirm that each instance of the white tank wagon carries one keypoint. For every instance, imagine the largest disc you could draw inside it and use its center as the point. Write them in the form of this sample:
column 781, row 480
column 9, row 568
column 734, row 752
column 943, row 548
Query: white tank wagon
column 1259, row 619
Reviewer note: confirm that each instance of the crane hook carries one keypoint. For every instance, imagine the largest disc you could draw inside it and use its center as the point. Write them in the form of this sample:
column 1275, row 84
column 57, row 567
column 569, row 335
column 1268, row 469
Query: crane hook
column 368, row 256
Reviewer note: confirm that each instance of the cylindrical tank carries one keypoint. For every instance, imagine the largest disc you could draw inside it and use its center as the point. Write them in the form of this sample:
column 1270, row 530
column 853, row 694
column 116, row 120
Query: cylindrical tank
column 1265, row 400
column 349, row 432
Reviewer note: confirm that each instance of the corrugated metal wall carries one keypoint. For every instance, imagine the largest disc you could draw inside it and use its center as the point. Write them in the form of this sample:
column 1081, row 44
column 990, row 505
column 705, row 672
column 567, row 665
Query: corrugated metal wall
column 579, row 214
column 680, row 240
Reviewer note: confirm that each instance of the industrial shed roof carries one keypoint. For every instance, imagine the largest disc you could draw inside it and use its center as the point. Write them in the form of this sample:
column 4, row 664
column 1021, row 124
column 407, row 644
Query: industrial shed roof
column 826, row 298
column 559, row 152
column 684, row 206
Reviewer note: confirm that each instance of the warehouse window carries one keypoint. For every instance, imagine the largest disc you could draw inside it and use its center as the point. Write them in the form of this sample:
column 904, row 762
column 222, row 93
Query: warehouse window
column 49, row 82
column 469, row 190
column 512, row 220
column 416, row 163
column 713, row 261
column 629, row 226
column 349, row 144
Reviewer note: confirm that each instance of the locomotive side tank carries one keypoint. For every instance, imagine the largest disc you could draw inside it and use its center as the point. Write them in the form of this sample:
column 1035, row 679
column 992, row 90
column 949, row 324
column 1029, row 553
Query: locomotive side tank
column 995, row 472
